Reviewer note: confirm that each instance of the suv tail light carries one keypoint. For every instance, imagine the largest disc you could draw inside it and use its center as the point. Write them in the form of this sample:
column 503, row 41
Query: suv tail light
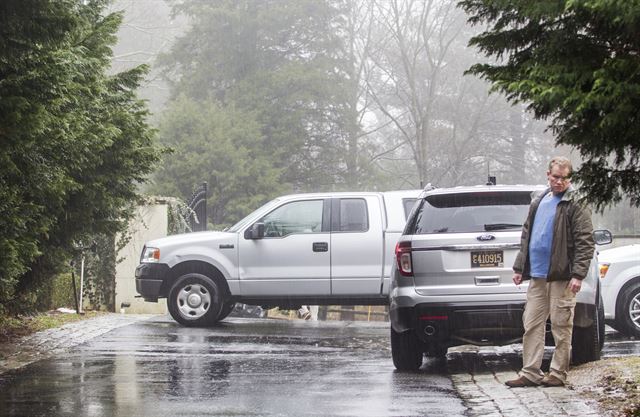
column 403, row 257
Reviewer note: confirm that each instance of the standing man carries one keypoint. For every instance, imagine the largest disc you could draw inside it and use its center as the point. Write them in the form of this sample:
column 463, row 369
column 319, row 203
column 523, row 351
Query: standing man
column 555, row 254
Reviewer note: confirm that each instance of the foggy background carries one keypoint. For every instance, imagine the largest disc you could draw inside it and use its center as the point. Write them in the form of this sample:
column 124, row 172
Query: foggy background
column 263, row 97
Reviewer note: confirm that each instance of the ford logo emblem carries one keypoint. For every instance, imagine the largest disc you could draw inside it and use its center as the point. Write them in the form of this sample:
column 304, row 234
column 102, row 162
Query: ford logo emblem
column 484, row 238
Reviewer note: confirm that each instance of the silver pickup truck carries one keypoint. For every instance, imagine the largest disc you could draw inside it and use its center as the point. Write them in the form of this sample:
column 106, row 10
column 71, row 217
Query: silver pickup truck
column 316, row 249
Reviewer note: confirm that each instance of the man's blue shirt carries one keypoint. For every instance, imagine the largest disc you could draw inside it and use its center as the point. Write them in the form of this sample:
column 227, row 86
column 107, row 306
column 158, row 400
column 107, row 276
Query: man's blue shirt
column 542, row 236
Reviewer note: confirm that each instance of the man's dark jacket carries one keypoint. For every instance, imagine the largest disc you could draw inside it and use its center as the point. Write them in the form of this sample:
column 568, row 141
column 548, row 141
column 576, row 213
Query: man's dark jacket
column 572, row 247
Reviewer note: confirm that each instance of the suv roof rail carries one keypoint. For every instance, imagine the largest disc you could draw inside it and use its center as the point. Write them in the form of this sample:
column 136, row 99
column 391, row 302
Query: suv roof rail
column 425, row 190
column 429, row 187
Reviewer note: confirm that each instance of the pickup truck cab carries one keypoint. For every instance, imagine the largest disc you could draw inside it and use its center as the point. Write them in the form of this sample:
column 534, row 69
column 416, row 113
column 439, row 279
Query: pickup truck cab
column 321, row 249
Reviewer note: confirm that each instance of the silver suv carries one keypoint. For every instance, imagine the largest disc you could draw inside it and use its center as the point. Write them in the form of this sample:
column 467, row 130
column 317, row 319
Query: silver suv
column 452, row 283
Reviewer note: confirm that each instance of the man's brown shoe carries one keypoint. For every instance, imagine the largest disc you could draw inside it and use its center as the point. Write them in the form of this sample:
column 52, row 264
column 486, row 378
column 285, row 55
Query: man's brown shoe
column 552, row 381
column 521, row 382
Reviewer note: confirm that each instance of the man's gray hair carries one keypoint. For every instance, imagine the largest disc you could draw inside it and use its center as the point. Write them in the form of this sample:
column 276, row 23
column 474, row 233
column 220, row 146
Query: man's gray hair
column 562, row 162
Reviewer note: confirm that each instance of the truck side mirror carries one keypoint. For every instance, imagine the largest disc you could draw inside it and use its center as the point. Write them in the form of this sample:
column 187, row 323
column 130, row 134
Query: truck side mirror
column 602, row 237
column 256, row 231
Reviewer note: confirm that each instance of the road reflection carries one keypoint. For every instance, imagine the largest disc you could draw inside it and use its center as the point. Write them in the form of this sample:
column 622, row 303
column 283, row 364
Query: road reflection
column 254, row 367
column 619, row 345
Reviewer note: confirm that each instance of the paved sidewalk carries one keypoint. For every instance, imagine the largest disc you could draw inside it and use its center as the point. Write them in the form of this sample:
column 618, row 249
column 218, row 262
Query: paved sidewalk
column 49, row 342
column 483, row 390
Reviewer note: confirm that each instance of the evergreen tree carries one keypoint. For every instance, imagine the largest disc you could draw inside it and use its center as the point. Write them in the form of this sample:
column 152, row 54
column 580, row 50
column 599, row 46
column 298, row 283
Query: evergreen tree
column 577, row 64
column 222, row 147
column 75, row 143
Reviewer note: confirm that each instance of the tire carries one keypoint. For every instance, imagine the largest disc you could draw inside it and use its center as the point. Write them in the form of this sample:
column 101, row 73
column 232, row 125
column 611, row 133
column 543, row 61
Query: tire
column 601, row 323
column 628, row 311
column 195, row 301
column 587, row 342
column 406, row 351
column 226, row 310
column 548, row 336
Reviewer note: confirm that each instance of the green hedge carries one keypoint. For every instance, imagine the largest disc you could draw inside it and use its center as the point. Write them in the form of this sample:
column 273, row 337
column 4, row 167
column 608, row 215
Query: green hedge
column 62, row 292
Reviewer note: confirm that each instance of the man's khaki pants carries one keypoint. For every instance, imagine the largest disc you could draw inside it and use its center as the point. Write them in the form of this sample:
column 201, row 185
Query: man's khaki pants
column 544, row 299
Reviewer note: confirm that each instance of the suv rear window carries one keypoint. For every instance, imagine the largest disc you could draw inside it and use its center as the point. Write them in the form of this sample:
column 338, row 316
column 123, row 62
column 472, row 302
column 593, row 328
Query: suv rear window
column 470, row 212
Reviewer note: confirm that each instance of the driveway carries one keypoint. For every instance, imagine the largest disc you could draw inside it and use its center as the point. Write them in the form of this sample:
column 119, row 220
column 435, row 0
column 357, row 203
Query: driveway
column 150, row 366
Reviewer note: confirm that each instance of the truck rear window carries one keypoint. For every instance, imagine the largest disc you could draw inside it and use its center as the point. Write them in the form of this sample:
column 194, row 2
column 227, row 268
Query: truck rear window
column 470, row 212
column 407, row 204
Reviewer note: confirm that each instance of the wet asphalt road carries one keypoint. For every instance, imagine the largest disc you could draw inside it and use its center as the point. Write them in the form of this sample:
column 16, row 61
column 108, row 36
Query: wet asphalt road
column 252, row 367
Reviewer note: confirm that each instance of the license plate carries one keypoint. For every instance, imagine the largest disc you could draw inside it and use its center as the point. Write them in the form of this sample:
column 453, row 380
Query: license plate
column 487, row 259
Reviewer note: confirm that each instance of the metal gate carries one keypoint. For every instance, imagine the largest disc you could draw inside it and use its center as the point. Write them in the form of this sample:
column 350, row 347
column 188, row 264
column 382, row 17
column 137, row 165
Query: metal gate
column 197, row 204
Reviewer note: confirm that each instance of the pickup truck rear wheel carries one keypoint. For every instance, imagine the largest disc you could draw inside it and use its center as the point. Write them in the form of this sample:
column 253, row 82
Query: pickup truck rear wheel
column 406, row 350
column 226, row 310
column 195, row 301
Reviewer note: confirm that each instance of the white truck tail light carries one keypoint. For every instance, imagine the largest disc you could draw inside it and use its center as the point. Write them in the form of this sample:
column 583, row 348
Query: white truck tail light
column 403, row 257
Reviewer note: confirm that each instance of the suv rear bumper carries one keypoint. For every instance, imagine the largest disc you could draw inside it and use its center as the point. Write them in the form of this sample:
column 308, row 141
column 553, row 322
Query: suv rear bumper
column 447, row 324
column 150, row 279
column 450, row 324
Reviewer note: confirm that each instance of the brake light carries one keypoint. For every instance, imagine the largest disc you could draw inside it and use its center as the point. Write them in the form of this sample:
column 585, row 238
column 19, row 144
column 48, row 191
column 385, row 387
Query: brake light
column 403, row 257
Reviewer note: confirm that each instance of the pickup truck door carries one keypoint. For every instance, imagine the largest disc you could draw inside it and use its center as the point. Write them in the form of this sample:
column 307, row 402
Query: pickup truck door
column 356, row 246
column 293, row 258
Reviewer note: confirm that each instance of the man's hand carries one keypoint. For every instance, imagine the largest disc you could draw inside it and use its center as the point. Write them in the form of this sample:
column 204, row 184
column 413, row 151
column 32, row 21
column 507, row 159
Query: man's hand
column 574, row 285
column 517, row 278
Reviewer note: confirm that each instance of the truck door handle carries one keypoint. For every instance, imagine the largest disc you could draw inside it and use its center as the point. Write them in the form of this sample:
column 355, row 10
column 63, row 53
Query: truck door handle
column 320, row 247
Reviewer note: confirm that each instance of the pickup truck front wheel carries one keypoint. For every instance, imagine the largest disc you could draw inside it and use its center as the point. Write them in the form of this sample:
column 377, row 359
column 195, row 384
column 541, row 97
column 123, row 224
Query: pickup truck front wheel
column 195, row 301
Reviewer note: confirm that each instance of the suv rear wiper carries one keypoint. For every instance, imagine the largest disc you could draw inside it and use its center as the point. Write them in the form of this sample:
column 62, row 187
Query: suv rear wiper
column 500, row 226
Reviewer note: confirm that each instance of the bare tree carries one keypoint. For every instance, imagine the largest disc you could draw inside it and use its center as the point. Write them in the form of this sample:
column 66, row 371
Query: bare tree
column 413, row 39
column 428, row 119
column 148, row 30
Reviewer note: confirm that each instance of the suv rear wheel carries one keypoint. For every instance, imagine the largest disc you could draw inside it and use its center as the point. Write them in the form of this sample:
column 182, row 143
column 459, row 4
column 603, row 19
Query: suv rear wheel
column 406, row 350
column 587, row 342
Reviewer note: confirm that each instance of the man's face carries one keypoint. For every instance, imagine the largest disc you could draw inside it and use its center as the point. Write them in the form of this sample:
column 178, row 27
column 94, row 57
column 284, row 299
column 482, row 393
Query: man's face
column 558, row 179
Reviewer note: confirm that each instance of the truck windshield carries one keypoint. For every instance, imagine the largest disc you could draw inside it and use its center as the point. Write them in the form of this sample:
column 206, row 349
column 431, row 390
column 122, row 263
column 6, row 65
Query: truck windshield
column 253, row 216
column 471, row 212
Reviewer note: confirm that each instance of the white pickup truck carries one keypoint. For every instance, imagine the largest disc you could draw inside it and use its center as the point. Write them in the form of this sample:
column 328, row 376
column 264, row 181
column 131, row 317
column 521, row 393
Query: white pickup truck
column 316, row 249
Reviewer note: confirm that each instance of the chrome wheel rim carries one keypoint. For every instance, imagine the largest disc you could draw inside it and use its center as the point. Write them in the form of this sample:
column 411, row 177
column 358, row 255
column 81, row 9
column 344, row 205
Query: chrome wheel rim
column 634, row 310
column 193, row 301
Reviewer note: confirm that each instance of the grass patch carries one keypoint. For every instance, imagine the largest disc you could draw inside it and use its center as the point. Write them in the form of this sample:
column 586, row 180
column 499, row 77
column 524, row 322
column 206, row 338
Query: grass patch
column 613, row 382
column 12, row 328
